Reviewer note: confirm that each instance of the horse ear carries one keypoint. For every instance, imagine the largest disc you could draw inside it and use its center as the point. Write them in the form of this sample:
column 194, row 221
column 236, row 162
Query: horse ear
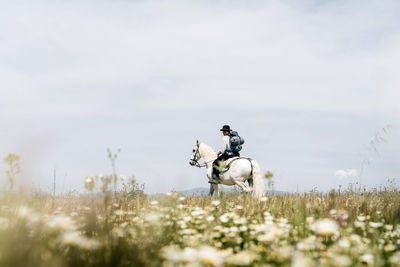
column 197, row 141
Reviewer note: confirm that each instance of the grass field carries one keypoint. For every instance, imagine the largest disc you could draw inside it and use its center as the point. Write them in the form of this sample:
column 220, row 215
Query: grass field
column 353, row 227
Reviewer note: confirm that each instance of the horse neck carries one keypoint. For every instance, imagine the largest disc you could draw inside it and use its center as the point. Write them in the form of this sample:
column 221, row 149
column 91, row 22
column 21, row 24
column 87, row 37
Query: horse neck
column 207, row 153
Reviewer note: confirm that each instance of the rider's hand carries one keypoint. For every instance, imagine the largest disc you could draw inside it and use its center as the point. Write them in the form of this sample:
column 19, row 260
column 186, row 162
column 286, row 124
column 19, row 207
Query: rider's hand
column 219, row 153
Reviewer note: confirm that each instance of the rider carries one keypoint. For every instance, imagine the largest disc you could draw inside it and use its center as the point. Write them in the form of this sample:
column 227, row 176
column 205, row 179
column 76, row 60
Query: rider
column 224, row 154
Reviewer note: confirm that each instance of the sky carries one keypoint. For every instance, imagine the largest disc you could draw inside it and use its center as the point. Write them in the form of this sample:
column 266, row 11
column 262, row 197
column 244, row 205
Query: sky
column 308, row 84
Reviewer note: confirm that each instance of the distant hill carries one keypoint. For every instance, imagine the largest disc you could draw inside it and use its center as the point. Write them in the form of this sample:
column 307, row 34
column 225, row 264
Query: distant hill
column 205, row 191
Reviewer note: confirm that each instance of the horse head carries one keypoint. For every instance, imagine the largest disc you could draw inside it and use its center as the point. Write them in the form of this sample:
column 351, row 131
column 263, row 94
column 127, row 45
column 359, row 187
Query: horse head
column 195, row 157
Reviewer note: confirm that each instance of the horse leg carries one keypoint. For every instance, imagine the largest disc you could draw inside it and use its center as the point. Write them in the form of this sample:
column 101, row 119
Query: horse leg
column 243, row 186
column 215, row 189
column 250, row 181
column 211, row 190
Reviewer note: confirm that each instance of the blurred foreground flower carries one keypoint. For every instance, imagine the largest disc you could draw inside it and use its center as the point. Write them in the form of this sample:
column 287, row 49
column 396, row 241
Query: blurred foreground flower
column 78, row 240
column 325, row 227
column 205, row 255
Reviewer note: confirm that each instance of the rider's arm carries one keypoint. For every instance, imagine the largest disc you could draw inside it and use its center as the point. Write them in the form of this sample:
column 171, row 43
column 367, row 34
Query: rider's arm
column 225, row 143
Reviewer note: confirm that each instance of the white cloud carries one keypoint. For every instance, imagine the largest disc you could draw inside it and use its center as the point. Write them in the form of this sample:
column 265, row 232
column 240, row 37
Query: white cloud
column 343, row 174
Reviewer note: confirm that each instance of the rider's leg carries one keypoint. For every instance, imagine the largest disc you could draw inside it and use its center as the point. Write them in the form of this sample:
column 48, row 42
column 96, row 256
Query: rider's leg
column 216, row 166
column 215, row 170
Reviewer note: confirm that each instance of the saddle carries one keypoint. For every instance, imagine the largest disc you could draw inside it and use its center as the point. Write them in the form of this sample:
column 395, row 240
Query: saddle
column 228, row 163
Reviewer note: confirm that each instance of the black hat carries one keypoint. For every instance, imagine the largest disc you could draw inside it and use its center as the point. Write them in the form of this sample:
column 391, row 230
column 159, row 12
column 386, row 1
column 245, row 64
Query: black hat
column 226, row 128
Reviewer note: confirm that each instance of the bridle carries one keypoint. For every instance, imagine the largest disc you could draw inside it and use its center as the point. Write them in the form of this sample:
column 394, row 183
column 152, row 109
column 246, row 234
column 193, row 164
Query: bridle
column 197, row 154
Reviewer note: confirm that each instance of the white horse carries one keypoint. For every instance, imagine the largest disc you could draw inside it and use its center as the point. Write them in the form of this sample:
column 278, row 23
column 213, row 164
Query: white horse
column 240, row 171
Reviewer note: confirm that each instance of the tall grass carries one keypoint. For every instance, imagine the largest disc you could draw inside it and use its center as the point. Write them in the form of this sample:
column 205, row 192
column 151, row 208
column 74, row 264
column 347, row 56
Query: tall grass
column 122, row 229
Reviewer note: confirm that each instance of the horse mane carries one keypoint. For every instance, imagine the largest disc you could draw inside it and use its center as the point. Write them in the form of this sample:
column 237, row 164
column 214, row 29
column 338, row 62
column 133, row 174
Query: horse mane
column 207, row 152
column 206, row 148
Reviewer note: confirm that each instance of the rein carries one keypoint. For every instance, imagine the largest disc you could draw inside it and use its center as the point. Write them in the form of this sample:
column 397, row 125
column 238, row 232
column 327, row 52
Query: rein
column 197, row 164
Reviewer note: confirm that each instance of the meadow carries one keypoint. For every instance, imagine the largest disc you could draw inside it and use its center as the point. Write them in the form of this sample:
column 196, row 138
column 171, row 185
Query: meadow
column 351, row 227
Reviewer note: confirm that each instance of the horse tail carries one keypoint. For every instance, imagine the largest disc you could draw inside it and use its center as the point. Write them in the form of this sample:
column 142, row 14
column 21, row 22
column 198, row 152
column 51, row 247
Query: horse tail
column 258, row 186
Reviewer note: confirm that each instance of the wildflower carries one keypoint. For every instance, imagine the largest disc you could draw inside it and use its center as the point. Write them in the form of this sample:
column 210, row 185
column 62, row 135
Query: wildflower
column 375, row 224
column 240, row 221
column 283, row 221
column 224, row 218
column 301, row 260
column 389, row 227
column 215, row 203
column 119, row 212
column 154, row 203
column 342, row 260
column 89, row 183
column 344, row 243
column 361, row 218
column 344, row 215
column 78, row 240
column 243, row 258
column 210, row 219
column 152, row 217
column 61, row 223
column 181, row 198
column 307, row 244
column 118, row 232
column 389, row 248
column 359, row 224
column 171, row 253
column 264, row 199
column 272, row 232
column 211, row 256
column 368, row 259
column 198, row 212
column 24, row 212
column 325, row 227
column 310, row 220
column 269, row 219
column 71, row 238
column 188, row 232
column 356, row 239
column 395, row 258
column 233, row 229
column 332, row 212
column 266, row 213
column 243, row 228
